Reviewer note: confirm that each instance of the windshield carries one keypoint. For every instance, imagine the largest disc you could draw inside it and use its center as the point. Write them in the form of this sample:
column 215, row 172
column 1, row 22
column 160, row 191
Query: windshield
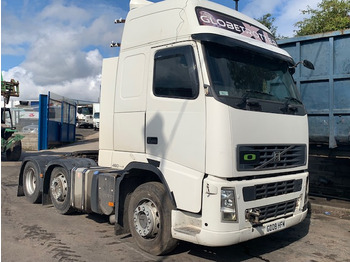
column 85, row 110
column 251, row 81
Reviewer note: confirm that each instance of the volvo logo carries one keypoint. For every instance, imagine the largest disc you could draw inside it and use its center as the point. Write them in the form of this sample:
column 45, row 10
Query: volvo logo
column 277, row 156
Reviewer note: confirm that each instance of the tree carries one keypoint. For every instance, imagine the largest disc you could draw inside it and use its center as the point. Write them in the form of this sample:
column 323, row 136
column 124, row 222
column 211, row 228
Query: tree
column 267, row 20
column 330, row 15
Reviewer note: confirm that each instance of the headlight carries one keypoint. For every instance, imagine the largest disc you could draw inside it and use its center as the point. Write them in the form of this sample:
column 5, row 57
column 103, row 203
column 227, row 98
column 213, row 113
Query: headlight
column 228, row 205
column 298, row 203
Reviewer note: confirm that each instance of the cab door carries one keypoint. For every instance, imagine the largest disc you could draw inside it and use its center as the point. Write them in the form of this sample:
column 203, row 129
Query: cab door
column 175, row 121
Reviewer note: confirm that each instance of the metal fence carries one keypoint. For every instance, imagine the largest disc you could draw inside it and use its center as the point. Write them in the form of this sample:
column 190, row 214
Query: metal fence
column 325, row 91
column 57, row 118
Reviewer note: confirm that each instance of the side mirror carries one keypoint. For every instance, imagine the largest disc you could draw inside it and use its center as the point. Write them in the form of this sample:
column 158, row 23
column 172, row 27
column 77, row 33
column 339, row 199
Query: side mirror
column 308, row 64
column 305, row 63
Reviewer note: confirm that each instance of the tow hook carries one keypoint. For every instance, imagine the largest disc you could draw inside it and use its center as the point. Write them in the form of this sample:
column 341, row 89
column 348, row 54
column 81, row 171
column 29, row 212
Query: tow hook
column 252, row 215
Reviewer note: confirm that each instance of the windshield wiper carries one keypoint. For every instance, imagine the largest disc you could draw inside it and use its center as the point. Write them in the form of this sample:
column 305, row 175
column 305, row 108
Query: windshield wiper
column 288, row 108
column 247, row 100
column 293, row 99
column 256, row 92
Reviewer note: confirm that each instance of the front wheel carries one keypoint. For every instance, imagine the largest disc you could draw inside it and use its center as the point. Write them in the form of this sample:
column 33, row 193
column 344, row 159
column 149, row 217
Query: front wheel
column 149, row 216
column 60, row 190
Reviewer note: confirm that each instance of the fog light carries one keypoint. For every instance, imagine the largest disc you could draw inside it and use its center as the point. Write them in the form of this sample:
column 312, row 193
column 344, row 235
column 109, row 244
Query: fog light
column 228, row 205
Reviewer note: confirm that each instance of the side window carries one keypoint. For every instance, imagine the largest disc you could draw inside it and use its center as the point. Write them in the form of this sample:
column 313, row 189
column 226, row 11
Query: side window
column 175, row 73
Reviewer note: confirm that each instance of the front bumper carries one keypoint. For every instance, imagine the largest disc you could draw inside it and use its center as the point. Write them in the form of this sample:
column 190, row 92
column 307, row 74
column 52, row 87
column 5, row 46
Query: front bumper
column 208, row 228
column 217, row 238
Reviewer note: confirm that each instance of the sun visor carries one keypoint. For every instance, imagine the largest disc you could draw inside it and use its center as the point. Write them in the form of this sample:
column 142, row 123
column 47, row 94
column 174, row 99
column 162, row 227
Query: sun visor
column 224, row 40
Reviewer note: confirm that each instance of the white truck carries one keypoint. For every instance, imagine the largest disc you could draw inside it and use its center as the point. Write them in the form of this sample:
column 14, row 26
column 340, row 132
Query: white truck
column 96, row 118
column 203, row 137
column 84, row 116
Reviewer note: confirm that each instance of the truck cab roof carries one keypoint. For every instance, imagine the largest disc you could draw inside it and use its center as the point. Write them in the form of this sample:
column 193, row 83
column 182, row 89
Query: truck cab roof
column 172, row 21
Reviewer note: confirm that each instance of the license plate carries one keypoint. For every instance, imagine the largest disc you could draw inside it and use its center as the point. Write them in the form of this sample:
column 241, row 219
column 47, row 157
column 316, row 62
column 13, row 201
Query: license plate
column 275, row 226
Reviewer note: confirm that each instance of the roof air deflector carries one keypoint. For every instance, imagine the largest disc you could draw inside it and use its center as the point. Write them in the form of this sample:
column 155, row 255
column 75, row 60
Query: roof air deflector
column 138, row 3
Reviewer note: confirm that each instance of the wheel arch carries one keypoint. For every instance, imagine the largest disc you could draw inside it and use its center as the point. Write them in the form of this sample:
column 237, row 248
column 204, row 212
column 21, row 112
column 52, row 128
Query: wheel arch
column 136, row 174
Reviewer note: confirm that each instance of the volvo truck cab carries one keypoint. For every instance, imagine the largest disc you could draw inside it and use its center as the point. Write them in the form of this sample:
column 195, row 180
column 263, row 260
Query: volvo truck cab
column 214, row 108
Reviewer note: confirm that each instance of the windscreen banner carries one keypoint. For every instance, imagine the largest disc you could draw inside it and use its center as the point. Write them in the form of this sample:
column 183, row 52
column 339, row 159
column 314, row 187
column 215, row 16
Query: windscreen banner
column 209, row 17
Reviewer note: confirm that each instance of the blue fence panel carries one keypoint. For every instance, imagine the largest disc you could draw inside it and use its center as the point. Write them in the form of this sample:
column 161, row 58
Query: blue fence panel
column 325, row 91
column 68, row 122
column 43, row 122
column 57, row 116
column 54, row 134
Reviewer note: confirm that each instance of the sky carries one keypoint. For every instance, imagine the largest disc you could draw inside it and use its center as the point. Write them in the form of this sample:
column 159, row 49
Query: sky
column 58, row 45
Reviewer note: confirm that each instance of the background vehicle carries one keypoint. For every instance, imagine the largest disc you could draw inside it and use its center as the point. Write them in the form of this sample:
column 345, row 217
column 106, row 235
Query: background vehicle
column 30, row 129
column 84, row 116
column 96, row 119
column 203, row 136
column 11, row 143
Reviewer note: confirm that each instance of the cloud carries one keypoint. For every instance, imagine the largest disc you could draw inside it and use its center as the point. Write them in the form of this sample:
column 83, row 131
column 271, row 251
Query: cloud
column 58, row 12
column 87, row 89
column 63, row 44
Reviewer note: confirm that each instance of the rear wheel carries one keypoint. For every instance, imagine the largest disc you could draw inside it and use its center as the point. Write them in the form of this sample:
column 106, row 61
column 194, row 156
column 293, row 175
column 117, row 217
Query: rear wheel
column 14, row 153
column 149, row 217
column 60, row 190
column 31, row 186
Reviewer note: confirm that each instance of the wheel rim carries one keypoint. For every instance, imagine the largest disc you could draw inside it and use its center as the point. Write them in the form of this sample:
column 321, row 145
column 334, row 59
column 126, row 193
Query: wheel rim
column 146, row 219
column 59, row 188
column 30, row 181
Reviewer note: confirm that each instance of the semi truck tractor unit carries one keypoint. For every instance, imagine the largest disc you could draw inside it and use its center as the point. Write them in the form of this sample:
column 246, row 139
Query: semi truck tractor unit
column 203, row 136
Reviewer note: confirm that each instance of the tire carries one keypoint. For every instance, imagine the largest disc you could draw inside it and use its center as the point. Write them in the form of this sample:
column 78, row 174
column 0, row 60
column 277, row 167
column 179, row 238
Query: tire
column 14, row 153
column 31, row 183
column 149, row 217
column 60, row 190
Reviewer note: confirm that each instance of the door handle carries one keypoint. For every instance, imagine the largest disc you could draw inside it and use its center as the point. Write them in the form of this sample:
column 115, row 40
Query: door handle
column 152, row 140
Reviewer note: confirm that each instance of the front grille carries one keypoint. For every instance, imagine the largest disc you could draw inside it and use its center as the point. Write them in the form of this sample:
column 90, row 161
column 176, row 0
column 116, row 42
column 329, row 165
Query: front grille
column 271, row 189
column 275, row 210
column 267, row 157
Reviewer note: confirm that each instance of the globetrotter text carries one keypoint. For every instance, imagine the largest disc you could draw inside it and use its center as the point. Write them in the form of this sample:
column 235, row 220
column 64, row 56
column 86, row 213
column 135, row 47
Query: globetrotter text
column 213, row 18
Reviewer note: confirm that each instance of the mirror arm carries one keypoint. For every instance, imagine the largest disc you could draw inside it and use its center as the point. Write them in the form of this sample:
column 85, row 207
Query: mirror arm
column 305, row 63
